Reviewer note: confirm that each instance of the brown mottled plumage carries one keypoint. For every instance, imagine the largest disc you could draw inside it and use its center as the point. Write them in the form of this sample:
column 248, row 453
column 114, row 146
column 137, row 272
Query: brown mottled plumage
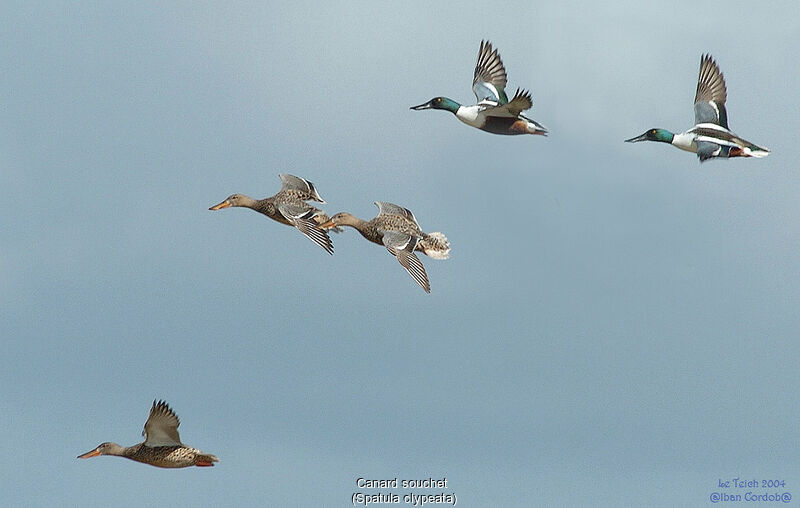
column 397, row 229
column 289, row 207
column 162, row 446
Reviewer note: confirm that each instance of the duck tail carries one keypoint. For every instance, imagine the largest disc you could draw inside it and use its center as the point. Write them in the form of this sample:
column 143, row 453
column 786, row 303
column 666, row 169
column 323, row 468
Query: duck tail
column 206, row 460
column 536, row 128
column 748, row 150
column 435, row 245
column 756, row 151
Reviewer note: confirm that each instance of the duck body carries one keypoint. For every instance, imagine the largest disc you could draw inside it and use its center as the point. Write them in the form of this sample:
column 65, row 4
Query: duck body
column 375, row 229
column 172, row 456
column 710, row 137
column 289, row 206
column 707, row 140
column 169, row 457
column 397, row 229
column 487, row 118
column 493, row 113
column 162, row 446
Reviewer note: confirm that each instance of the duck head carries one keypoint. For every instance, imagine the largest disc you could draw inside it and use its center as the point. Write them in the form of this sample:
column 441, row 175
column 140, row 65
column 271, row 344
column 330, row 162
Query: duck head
column 340, row 219
column 661, row 135
column 106, row 448
column 234, row 200
column 439, row 103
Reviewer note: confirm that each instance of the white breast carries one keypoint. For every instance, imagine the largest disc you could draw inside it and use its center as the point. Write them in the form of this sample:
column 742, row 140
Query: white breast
column 470, row 115
column 685, row 141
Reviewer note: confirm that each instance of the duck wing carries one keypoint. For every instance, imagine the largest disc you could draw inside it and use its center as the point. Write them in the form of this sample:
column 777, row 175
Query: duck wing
column 709, row 101
column 161, row 427
column 385, row 208
column 715, row 141
column 522, row 100
column 706, row 150
column 401, row 246
column 302, row 216
column 489, row 81
column 291, row 182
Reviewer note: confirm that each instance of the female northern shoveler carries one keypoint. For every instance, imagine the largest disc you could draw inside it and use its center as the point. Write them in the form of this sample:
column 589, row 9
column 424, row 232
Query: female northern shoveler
column 710, row 137
column 397, row 229
column 162, row 445
column 289, row 207
column 494, row 112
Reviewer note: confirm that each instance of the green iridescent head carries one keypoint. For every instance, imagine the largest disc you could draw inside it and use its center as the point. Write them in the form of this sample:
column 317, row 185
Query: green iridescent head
column 439, row 103
column 661, row 135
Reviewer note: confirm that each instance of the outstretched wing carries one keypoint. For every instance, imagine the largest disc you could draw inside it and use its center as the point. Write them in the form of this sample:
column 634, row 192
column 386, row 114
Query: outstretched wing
column 521, row 101
column 302, row 217
column 402, row 246
column 489, row 81
column 161, row 428
column 291, row 182
column 385, row 208
column 709, row 101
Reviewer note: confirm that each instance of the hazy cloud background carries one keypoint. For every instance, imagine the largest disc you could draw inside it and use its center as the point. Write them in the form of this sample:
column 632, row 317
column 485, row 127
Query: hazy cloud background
column 617, row 324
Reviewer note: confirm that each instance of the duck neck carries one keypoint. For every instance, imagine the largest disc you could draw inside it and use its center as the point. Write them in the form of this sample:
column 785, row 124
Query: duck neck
column 359, row 225
column 351, row 221
column 248, row 202
column 265, row 206
column 120, row 451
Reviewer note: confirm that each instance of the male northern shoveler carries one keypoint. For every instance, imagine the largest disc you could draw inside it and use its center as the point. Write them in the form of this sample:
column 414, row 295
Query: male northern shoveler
column 289, row 207
column 397, row 229
column 494, row 112
column 162, row 445
column 710, row 137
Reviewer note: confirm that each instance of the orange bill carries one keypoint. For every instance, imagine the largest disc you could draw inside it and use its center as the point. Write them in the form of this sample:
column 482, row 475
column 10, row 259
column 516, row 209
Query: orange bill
column 224, row 204
column 93, row 453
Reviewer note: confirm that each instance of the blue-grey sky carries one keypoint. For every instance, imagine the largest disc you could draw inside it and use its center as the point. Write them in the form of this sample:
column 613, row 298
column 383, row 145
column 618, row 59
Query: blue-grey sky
column 617, row 324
